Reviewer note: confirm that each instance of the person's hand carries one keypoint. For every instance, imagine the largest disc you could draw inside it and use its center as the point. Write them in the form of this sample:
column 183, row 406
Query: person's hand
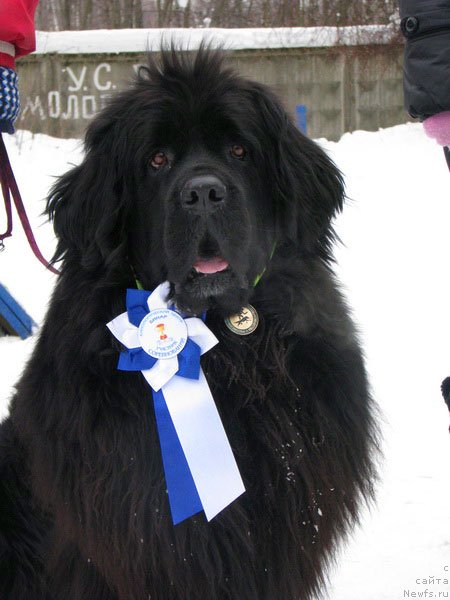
column 438, row 128
column 9, row 99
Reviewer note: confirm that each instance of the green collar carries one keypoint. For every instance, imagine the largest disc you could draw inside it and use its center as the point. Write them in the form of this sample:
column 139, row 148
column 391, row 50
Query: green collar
column 259, row 277
column 255, row 281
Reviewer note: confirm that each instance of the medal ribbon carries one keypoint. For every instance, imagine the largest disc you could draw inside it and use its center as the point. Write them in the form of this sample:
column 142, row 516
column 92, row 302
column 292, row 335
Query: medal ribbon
column 200, row 470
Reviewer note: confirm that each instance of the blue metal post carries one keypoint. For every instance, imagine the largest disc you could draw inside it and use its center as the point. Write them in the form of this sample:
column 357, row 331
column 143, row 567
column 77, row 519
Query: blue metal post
column 300, row 114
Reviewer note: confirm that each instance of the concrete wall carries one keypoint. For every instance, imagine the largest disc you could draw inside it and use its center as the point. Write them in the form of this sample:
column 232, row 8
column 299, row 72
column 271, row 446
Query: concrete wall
column 344, row 88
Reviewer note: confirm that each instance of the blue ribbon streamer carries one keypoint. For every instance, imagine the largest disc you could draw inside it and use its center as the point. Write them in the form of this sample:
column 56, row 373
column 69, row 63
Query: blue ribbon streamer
column 183, row 496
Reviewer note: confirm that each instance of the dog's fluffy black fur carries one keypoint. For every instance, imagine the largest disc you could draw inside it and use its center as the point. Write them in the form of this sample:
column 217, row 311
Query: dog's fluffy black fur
column 83, row 505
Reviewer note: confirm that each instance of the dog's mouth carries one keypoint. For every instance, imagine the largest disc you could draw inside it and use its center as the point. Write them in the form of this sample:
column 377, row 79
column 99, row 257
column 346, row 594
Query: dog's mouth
column 210, row 282
column 209, row 260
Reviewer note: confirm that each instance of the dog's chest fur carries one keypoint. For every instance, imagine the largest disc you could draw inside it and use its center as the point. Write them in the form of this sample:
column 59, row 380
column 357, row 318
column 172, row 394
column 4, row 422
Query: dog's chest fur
column 279, row 396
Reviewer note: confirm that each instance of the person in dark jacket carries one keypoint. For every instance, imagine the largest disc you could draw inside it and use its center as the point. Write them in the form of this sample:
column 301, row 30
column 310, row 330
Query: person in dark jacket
column 426, row 76
column 426, row 27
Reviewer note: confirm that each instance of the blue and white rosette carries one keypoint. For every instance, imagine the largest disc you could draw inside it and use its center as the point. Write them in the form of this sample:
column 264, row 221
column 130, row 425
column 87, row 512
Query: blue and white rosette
column 200, row 469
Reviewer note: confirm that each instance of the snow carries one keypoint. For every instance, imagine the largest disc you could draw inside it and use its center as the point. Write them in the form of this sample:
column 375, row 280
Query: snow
column 394, row 265
column 36, row 161
column 135, row 40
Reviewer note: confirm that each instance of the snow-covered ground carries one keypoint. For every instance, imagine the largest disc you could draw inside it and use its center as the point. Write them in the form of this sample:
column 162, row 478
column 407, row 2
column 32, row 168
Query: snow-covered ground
column 394, row 266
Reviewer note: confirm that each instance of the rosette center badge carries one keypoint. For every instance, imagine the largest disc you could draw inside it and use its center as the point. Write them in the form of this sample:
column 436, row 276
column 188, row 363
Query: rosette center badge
column 162, row 333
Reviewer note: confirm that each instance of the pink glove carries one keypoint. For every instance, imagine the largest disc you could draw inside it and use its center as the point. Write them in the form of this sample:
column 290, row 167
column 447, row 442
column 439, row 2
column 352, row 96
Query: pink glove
column 438, row 128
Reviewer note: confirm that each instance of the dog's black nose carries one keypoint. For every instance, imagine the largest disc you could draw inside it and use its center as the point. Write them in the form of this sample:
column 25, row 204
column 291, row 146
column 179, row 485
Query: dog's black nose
column 203, row 194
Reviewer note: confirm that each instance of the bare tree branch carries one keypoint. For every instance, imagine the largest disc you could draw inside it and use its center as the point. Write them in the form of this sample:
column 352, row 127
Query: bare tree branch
column 112, row 14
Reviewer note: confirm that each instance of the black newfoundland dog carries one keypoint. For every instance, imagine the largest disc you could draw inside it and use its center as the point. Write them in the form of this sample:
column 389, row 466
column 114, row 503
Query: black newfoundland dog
column 196, row 176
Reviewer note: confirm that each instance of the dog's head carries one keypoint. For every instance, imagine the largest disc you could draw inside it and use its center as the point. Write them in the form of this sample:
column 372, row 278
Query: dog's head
column 195, row 175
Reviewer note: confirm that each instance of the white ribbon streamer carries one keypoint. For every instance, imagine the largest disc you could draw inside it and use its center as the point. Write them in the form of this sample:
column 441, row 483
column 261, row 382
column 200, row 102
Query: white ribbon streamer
column 204, row 442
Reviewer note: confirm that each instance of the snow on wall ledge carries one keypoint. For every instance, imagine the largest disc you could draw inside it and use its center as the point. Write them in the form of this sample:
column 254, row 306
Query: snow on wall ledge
column 114, row 41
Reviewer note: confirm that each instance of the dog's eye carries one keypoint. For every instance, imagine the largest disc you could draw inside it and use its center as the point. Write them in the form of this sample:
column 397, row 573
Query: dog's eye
column 158, row 160
column 238, row 151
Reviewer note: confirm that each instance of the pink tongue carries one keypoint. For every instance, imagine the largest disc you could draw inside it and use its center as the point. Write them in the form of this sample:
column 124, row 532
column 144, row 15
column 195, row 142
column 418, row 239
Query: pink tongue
column 211, row 265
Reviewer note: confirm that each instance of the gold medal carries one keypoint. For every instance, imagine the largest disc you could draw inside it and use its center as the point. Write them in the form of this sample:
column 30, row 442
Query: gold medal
column 244, row 322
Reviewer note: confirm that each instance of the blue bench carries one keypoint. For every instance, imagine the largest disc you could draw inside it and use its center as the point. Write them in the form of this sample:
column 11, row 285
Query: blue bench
column 13, row 319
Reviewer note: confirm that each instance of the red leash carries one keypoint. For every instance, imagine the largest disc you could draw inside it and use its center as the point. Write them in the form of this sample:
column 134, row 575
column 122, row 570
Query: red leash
column 9, row 187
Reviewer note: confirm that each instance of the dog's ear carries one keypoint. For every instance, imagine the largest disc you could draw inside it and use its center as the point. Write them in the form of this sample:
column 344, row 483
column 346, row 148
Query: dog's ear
column 308, row 186
column 86, row 204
